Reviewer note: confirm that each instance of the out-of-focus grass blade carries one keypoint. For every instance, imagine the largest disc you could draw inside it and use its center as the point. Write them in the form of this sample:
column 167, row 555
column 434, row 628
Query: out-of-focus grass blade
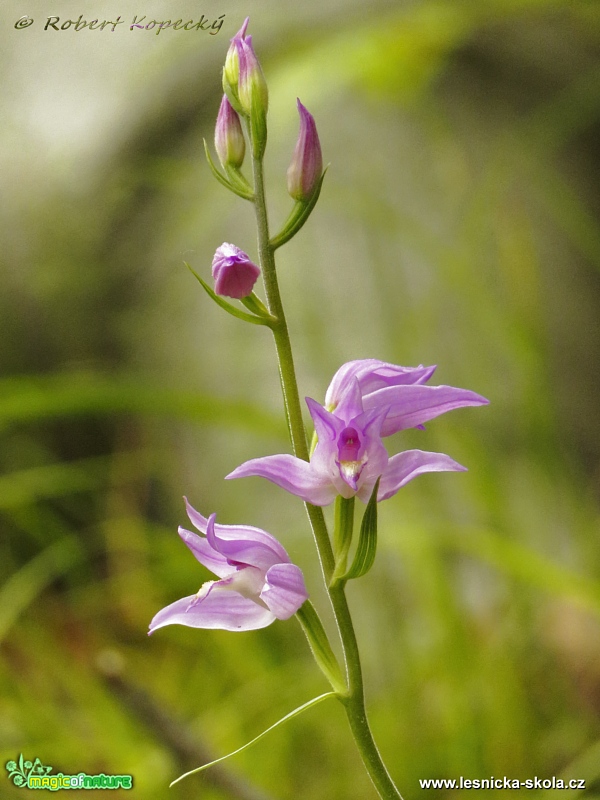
column 56, row 480
column 587, row 767
column 24, row 586
column 525, row 564
column 24, row 399
column 568, row 212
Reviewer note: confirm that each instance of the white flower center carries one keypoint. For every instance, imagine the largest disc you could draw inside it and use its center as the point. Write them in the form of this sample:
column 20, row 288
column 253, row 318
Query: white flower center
column 248, row 581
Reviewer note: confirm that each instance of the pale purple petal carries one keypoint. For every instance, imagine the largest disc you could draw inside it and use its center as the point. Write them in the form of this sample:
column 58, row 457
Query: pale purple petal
column 236, row 533
column 350, row 404
column 410, row 406
column 206, row 555
column 221, row 609
column 405, row 466
column 370, row 423
column 372, row 374
column 292, row 474
column 261, row 552
column 284, row 590
column 327, row 426
column 377, row 460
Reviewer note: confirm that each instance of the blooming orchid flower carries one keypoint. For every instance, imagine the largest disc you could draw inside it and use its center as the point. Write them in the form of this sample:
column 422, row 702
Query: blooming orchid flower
column 350, row 456
column 257, row 583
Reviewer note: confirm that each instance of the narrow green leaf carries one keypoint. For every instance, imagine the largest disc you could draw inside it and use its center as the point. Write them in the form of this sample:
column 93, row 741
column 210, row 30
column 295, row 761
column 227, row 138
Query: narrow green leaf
column 367, row 541
column 299, row 214
column 235, row 312
column 292, row 714
column 235, row 188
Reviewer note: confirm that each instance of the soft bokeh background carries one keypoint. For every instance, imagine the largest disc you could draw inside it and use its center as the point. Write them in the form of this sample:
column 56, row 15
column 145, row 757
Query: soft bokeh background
column 458, row 225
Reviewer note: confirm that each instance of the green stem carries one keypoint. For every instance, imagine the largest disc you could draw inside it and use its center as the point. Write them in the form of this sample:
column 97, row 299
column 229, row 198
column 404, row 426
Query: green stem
column 353, row 699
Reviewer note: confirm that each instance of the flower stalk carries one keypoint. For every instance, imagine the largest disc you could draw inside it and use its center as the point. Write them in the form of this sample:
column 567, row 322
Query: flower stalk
column 353, row 699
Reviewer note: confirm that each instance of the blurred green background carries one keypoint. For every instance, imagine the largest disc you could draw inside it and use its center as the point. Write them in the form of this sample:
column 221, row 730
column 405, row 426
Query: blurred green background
column 458, row 225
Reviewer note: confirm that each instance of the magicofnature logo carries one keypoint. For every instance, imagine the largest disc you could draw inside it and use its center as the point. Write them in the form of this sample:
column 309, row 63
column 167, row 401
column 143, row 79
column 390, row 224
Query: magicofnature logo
column 35, row 775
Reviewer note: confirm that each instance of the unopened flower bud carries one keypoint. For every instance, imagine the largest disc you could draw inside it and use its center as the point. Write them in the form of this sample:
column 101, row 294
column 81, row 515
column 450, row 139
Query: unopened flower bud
column 231, row 71
column 234, row 273
column 306, row 168
column 253, row 94
column 229, row 139
column 252, row 86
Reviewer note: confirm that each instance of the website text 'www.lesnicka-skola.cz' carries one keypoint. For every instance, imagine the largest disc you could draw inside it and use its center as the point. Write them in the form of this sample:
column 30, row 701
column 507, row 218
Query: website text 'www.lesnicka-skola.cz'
column 502, row 783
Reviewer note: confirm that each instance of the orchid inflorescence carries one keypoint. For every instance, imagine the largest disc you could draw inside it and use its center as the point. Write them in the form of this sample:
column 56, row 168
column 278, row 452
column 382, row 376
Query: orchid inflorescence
column 366, row 401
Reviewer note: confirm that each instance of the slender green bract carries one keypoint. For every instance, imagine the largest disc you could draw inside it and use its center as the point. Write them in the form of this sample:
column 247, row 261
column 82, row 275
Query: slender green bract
column 256, row 318
column 342, row 534
column 367, row 540
column 279, row 722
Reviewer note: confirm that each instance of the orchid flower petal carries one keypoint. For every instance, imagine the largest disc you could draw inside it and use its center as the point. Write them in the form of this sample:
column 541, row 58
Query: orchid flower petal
column 372, row 374
column 405, row 466
column 284, row 590
column 206, row 555
column 222, row 609
column 327, row 425
column 410, row 406
column 350, row 403
column 292, row 474
column 259, row 553
column 236, row 533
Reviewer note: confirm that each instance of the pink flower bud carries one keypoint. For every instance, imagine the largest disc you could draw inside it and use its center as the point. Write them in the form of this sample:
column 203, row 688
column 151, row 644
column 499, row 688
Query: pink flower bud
column 234, row 273
column 307, row 162
column 229, row 139
column 253, row 95
column 253, row 91
column 231, row 71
